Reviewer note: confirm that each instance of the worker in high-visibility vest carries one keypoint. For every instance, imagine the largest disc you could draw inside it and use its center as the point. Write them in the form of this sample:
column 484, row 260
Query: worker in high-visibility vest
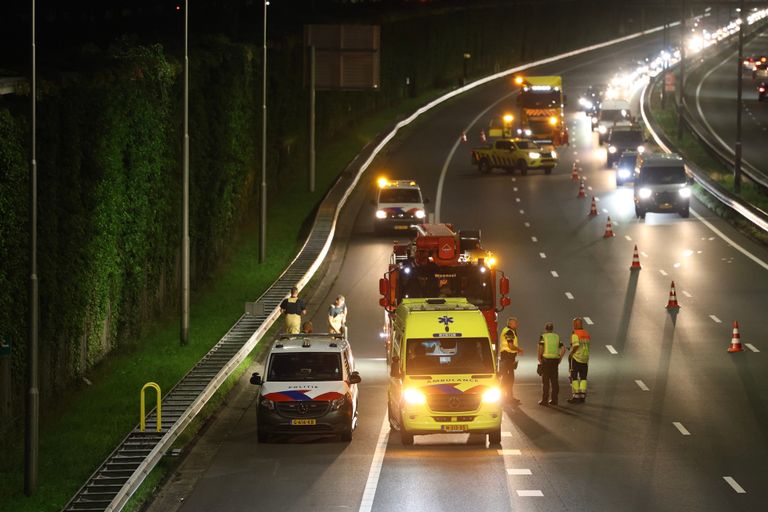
column 292, row 308
column 551, row 352
column 509, row 349
column 579, row 361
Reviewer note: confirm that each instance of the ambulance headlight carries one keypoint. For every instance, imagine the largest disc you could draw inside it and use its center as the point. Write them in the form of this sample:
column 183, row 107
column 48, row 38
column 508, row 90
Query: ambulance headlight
column 491, row 395
column 381, row 214
column 623, row 173
column 684, row 192
column 420, row 214
column 611, row 149
column 414, row 396
column 644, row 193
column 602, row 129
column 534, row 154
column 338, row 403
column 266, row 402
column 641, row 149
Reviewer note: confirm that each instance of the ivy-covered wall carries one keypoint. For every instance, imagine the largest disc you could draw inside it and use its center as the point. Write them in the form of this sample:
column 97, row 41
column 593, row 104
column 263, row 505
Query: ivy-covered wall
column 109, row 161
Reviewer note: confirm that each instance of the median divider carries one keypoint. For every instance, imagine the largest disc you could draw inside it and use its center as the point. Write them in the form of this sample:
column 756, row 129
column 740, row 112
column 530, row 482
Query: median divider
column 120, row 475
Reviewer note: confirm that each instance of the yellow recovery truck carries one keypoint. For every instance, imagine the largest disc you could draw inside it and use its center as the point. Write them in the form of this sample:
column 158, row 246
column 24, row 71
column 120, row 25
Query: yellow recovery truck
column 541, row 101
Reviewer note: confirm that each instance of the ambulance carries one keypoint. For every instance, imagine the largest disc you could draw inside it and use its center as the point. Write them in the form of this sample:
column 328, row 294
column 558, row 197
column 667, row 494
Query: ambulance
column 442, row 371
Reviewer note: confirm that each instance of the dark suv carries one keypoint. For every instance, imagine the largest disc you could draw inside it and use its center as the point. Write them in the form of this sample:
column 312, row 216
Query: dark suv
column 624, row 138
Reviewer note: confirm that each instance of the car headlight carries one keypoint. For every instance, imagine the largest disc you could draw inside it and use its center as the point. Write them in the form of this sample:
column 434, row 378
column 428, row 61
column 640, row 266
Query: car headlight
column 624, row 173
column 491, row 395
column 644, row 193
column 641, row 149
column 602, row 129
column 611, row 149
column 414, row 396
column 554, row 154
column 534, row 154
column 338, row 403
column 587, row 104
column 269, row 404
column 594, row 120
column 381, row 214
column 420, row 214
column 684, row 192
column 527, row 132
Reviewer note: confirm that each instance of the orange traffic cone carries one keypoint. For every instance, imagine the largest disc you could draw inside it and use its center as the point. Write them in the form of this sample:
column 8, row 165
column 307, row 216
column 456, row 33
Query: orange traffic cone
column 482, row 136
column 593, row 208
column 672, row 303
column 463, row 137
column 736, row 339
column 582, row 194
column 575, row 171
column 635, row 261
column 608, row 229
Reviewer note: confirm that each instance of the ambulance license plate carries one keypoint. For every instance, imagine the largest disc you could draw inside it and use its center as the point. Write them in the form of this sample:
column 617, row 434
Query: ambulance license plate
column 401, row 227
column 455, row 428
column 304, row 422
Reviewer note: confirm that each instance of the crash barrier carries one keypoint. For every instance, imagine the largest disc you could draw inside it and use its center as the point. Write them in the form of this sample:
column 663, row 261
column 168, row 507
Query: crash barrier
column 142, row 416
column 121, row 474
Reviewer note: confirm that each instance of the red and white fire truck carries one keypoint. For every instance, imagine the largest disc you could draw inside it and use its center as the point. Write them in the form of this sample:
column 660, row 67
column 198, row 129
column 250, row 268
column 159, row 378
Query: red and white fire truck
column 441, row 262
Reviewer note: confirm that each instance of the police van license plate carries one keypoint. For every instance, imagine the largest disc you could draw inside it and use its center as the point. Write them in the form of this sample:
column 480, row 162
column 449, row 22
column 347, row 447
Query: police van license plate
column 304, row 422
column 401, row 226
column 455, row 428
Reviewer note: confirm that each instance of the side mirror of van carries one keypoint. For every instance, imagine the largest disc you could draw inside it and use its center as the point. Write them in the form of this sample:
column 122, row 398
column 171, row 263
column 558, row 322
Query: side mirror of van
column 354, row 378
column 256, row 379
column 394, row 369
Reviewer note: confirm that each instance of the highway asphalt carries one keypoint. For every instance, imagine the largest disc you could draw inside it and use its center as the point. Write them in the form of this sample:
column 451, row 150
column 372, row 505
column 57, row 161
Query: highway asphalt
column 669, row 415
column 712, row 99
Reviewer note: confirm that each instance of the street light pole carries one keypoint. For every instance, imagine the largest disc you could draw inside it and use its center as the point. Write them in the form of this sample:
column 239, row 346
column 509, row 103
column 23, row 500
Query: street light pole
column 263, row 219
column 33, row 395
column 737, row 148
column 682, row 75
column 312, row 106
column 665, row 59
column 185, row 192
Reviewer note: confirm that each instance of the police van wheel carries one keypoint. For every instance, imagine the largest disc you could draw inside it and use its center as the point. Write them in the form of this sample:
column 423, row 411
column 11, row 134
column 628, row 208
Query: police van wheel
column 494, row 438
column 640, row 213
column 405, row 437
column 261, row 436
column 484, row 167
column 522, row 166
column 685, row 213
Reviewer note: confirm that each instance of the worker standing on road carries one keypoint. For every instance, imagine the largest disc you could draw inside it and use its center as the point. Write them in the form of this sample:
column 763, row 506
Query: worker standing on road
column 551, row 352
column 293, row 307
column 509, row 349
column 579, row 361
column 337, row 315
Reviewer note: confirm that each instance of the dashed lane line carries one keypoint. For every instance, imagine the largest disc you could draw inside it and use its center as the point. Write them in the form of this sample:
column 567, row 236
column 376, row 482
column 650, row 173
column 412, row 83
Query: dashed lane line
column 520, row 471
column 375, row 471
column 527, row 224
column 554, row 273
column 715, row 319
column 542, row 255
column 642, row 385
column 679, row 426
column 522, row 212
column 508, row 451
column 751, row 347
column 534, row 239
column 734, row 485
column 687, row 294
column 588, row 321
column 506, row 434
column 569, row 295
column 663, row 272
column 645, row 254
column 611, row 349
column 530, row 493
column 629, row 238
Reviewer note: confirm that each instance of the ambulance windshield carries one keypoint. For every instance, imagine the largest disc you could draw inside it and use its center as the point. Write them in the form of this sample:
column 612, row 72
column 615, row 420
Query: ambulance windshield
column 440, row 356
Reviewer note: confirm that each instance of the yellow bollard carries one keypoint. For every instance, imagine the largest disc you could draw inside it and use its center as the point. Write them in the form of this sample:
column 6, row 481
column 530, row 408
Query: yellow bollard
column 142, row 421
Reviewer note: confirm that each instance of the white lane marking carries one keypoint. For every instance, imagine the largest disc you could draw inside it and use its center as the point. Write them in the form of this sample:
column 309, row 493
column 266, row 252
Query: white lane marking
column 522, row 212
column 734, row 485
column 569, row 295
column 642, row 385
column 611, row 349
column 373, row 474
column 597, row 199
column 645, row 255
column 554, row 273
column 589, row 187
column 679, row 426
column 605, row 210
column 730, row 242
column 663, row 272
column 534, row 239
column 627, row 236
column 589, row 320
column 513, row 179
column 514, row 189
column 529, row 493
column 715, row 319
column 542, row 255
column 687, row 294
column 520, row 471
column 507, row 451
column 527, row 224
column 517, row 199
column 751, row 347
column 506, row 434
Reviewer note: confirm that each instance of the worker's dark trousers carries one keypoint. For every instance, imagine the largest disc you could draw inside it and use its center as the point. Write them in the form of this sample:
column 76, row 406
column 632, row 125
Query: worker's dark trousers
column 549, row 379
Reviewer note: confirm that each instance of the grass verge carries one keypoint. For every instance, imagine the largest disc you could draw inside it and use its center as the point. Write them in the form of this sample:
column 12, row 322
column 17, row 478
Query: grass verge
column 80, row 431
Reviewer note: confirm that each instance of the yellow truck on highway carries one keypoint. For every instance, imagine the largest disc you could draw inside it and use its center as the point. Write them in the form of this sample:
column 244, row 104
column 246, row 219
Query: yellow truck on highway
column 541, row 102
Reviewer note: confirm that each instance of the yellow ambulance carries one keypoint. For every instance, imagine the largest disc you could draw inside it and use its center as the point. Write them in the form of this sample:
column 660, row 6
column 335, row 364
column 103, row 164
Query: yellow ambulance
column 442, row 371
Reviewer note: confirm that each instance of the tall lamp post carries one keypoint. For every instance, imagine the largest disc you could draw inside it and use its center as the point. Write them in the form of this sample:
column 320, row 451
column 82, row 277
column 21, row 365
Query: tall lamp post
column 185, row 192
column 737, row 146
column 33, row 396
column 263, row 219
column 683, row 33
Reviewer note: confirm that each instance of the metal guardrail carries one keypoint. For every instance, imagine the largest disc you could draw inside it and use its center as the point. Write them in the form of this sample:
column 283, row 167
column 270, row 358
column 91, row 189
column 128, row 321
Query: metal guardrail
column 747, row 210
column 114, row 482
column 11, row 84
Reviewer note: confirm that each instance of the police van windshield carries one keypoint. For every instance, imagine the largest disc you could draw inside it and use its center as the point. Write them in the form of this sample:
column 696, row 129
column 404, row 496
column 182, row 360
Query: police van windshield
column 662, row 175
column 305, row 366
column 400, row 195
column 540, row 99
column 431, row 281
column 440, row 356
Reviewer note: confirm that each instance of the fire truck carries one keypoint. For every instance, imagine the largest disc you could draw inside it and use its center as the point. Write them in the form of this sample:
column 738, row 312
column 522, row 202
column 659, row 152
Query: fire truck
column 443, row 263
column 541, row 102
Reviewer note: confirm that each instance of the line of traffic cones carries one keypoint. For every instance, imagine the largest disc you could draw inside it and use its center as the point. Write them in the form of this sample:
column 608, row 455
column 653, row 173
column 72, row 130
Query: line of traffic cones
column 593, row 208
column 736, row 345
column 575, row 171
column 482, row 136
column 635, row 261
column 608, row 229
column 463, row 137
column 582, row 194
column 672, row 304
